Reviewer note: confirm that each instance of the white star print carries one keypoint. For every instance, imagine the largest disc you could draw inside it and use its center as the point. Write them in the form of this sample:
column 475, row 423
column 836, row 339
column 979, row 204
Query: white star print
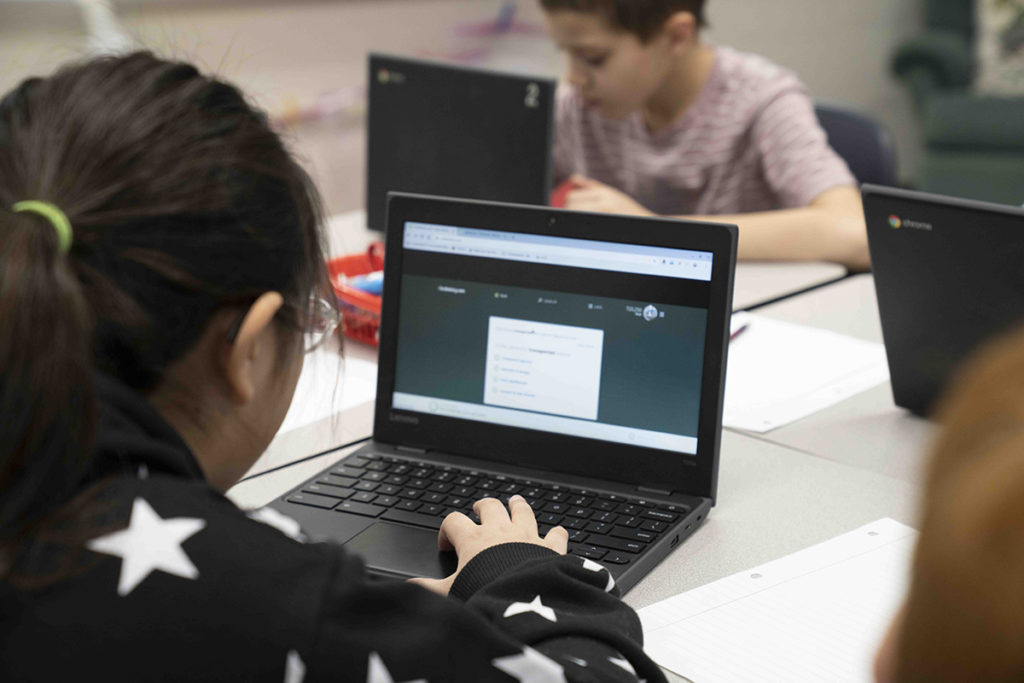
column 376, row 672
column 531, row 666
column 535, row 606
column 294, row 668
column 624, row 664
column 595, row 567
column 150, row 542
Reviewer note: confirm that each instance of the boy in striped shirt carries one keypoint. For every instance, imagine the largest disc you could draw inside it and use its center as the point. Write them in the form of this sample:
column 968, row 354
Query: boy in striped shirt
column 653, row 121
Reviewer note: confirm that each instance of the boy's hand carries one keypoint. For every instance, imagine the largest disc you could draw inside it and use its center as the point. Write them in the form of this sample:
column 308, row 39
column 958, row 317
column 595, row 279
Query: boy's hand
column 591, row 195
column 497, row 525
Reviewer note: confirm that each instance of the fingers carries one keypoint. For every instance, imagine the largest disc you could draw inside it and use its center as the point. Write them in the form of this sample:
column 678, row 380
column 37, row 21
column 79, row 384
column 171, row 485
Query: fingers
column 591, row 193
column 490, row 511
column 521, row 514
column 600, row 198
column 589, row 199
column 439, row 586
column 498, row 524
column 454, row 526
column 557, row 539
column 516, row 524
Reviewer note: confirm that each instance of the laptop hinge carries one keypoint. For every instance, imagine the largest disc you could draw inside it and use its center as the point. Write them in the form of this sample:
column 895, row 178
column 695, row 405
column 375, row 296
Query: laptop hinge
column 410, row 449
column 659, row 492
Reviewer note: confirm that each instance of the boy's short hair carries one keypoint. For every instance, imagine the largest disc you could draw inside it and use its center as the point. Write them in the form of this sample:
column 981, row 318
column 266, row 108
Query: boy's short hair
column 642, row 18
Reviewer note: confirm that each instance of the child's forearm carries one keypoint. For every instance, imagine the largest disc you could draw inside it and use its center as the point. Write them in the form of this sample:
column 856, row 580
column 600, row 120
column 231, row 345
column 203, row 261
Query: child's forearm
column 831, row 228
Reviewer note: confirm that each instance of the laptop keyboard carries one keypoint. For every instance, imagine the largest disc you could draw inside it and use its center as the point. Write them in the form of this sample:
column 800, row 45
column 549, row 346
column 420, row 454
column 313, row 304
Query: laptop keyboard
column 602, row 526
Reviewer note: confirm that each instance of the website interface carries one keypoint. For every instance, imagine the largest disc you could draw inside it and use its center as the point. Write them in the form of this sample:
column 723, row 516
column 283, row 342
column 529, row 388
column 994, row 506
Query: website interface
column 535, row 332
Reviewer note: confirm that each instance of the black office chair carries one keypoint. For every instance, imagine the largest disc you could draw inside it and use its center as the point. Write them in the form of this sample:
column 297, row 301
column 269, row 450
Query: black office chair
column 864, row 144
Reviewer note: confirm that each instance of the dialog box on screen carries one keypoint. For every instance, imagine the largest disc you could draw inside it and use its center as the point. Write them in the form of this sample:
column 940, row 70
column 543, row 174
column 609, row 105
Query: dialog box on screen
column 543, row 367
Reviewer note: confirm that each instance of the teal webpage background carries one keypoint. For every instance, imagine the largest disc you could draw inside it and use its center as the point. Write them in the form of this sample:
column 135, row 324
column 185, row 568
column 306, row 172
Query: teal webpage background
column 650, row 370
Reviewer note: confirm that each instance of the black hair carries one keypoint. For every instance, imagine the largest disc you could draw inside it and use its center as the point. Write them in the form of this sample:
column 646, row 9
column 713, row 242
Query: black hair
column 643, row 18
column 182, row 202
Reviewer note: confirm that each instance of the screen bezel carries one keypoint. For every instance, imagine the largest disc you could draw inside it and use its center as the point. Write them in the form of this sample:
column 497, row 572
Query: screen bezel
column 651, row 468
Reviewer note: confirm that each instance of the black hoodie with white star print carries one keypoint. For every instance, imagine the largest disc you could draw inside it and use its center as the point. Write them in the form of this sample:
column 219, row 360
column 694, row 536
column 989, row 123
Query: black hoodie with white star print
column 155, row 575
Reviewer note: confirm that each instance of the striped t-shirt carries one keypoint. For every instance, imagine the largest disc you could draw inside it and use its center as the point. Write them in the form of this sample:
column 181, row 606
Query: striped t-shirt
column 749, row 142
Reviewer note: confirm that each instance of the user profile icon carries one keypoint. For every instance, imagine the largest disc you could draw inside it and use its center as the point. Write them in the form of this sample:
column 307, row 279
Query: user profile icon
column 650, row 312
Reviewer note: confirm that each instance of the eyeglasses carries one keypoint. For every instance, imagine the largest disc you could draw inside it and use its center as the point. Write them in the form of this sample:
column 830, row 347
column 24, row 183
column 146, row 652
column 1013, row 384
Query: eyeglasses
column 322, row 319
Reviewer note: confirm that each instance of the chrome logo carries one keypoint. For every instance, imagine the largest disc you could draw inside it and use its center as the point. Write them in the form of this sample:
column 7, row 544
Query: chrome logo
column 895, row 221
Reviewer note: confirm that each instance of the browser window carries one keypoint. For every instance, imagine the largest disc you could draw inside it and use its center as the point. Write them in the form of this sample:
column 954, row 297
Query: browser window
column 596, row 339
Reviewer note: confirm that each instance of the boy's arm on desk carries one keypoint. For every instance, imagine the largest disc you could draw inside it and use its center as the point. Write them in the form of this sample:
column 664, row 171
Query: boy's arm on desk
column 830, row 228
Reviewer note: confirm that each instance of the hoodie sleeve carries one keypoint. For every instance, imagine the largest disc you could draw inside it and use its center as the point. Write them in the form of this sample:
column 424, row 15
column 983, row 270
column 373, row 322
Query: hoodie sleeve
column 517, row 612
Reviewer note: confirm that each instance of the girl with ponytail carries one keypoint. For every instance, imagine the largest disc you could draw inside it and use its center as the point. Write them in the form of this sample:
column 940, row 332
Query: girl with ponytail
column 161, row 275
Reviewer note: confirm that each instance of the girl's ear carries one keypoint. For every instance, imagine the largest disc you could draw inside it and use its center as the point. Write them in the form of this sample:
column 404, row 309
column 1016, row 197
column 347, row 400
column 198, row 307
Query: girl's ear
column 681, row 30
column 240, row 360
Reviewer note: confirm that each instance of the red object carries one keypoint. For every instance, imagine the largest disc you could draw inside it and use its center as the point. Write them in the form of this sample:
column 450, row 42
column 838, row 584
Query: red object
column 360, row 311
column 561, row 193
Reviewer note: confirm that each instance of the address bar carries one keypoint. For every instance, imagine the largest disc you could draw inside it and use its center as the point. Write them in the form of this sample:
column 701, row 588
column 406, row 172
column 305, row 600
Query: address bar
column 555, row 255
column 487, row 247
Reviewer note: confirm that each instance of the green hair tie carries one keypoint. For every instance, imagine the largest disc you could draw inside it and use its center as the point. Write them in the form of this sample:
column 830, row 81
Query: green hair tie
column 51, row 213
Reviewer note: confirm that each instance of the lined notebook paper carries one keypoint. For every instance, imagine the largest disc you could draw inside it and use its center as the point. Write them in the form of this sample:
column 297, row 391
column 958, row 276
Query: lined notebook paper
column 779, row 372
column 816, row 615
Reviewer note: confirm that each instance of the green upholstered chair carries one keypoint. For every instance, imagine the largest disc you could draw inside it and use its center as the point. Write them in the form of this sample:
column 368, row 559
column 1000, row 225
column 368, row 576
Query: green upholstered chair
column 973, row 145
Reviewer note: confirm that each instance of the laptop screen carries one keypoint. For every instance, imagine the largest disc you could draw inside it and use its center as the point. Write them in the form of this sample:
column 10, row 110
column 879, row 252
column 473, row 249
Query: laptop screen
column 580, row 337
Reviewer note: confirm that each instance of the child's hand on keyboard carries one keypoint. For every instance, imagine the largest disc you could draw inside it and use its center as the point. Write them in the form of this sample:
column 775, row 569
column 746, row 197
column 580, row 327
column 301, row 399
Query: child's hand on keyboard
column 498, row 525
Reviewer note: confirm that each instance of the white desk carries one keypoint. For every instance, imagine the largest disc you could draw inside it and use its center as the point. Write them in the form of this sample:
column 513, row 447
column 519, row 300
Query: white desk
column 758, row 282
column 772, row 501
column 867, row 430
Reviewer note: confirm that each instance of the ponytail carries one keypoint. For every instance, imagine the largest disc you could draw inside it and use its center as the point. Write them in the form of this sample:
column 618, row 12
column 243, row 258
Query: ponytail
column 47, row 398
column 182, row 202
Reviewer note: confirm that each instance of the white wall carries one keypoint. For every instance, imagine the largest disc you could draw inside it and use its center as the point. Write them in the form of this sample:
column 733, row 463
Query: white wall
column 288, row 54
column 840, row 48
column 283, row 54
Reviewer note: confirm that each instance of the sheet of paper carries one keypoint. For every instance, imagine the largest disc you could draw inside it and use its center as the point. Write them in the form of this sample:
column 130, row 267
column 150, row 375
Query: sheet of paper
column 816, row 615
column 329, row 385
column 779, row 372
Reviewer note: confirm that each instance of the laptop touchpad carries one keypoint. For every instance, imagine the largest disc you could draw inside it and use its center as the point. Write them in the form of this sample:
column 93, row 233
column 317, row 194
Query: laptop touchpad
column 404, row 551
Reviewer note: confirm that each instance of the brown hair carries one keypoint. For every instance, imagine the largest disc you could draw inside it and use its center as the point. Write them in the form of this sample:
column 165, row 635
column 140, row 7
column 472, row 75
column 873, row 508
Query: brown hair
column 182, row 202
column 965, row 612
column 643, row 18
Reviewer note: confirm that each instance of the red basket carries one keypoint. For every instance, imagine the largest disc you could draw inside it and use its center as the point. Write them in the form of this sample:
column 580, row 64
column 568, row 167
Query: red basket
column 360, row 311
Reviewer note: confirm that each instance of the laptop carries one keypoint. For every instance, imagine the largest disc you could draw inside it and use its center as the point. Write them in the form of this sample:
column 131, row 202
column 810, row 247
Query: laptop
column 948, row 276
column 575, row 359
column 452, row 130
